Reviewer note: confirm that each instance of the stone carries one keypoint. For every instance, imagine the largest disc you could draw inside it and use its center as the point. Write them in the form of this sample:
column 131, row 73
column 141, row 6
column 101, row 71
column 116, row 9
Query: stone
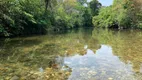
column 15, row 78
column 110, row 78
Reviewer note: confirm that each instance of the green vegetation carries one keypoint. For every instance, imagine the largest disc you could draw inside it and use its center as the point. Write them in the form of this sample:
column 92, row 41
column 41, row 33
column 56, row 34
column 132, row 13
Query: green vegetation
column 24, row 17
column 122, row 14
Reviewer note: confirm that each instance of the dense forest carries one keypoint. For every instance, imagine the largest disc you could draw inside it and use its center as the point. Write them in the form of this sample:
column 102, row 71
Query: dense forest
column 24, row 17
column 121, row 14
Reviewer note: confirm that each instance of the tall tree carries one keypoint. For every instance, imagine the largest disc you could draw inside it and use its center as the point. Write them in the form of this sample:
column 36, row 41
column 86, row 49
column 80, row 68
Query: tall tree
column 94, row 6
column 50, row 4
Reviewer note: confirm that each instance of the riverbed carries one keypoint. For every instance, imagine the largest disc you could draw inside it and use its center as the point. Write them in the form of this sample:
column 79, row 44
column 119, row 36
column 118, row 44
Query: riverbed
column 78, row 54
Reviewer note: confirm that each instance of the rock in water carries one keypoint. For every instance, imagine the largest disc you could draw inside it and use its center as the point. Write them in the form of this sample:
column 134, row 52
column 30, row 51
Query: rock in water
column 15, row 78
column 86, row 46
column 41, row 69
column 110, row 78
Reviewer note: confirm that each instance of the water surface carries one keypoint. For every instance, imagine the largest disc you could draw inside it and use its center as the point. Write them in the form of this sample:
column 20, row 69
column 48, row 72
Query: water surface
column 79, row 54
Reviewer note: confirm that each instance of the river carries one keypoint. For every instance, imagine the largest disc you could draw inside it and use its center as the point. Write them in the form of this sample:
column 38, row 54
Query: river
column 78, row 54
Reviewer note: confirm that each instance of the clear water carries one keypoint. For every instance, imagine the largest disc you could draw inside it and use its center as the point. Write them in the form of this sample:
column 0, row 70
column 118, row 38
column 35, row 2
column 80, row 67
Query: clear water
column 79, row 54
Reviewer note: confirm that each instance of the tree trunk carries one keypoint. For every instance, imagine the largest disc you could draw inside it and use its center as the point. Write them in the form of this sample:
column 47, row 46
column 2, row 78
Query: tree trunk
column 46, row 5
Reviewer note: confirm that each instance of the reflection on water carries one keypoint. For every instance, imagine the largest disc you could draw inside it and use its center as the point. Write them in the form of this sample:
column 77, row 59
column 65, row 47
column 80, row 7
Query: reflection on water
column 80, row 54
column 101, row 65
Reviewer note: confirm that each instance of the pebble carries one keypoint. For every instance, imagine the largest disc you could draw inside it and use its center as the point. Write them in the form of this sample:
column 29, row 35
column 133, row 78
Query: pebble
column 110, row 78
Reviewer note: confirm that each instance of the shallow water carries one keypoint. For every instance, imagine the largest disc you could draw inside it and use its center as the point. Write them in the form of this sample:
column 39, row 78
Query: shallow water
column 79, row 54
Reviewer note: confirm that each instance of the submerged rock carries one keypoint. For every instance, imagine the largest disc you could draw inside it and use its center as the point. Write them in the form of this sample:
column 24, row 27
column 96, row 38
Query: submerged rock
column 110, row 78
column 15, row 78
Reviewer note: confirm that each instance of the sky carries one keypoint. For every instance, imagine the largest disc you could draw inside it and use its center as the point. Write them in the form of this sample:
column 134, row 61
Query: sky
column 104, row 2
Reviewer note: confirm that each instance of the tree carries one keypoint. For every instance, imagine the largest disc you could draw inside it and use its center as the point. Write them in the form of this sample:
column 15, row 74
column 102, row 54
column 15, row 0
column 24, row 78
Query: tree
column 94, row 6
column 24, row 17
column 123, row 14
column 138, row 12
column 50, row 4
column 87, row 21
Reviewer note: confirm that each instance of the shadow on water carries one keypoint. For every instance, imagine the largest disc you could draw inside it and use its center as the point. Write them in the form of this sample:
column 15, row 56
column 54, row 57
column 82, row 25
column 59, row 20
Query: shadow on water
column 80, row 54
